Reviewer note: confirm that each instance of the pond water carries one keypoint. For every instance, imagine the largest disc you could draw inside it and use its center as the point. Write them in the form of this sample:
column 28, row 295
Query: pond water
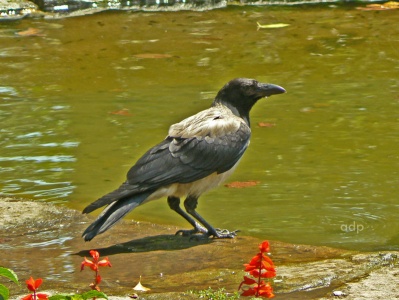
column 81, row 99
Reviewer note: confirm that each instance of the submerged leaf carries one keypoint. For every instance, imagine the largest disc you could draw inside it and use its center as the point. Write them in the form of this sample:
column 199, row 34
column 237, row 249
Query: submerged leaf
column 269, row 26
column 30, row 32
column 392, row 4
column 266, row 124
column 384, row 6
column 152, row 55
column 242, row 184
column 121, row 112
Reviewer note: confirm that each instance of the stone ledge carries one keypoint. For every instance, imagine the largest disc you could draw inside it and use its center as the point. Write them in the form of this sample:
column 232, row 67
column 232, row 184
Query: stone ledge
column 45, row 242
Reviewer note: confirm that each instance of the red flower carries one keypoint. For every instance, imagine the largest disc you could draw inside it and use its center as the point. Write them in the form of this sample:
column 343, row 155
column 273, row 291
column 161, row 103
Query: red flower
column 262, row 290
column 260, row 266
column 38, row 295
column 249, row 292
column 248, row 281
column 265, row 274
column 95, row 263
column 264, row 247
column 33, row 285
column 266, row 290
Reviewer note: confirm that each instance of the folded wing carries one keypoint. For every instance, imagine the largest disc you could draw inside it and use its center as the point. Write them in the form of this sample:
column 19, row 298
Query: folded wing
column 208, row 142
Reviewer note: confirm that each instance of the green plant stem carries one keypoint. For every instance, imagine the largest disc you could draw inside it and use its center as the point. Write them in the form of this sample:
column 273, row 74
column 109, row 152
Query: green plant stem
column 260, row 273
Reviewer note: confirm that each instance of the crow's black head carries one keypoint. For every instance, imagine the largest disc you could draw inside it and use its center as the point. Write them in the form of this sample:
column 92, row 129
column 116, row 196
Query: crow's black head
column 241, row 94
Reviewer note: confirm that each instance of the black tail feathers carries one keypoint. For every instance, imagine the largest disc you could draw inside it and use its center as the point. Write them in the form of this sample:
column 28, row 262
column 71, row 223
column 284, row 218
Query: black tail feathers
column 113, row 213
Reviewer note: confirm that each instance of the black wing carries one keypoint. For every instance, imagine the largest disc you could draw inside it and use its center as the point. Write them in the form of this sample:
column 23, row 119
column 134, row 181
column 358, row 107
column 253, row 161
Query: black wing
column 184, row 160
column 210, row 141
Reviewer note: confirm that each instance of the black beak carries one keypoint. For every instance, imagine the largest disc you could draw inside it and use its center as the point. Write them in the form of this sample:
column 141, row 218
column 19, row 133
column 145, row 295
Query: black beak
column 268, row 89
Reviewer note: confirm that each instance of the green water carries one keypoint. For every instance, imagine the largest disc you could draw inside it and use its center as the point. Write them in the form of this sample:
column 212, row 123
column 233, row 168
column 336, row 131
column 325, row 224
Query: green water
column 327, row 164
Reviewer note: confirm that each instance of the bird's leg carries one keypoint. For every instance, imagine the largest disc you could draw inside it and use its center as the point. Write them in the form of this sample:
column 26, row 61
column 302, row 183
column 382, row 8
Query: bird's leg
column 190, row 204
column 174, row 204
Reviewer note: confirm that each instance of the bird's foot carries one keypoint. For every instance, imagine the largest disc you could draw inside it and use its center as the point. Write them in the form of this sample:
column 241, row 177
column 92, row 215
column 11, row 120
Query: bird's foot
column 215, row 233
column 190, row 232
column 223, row 233
column 200, row 232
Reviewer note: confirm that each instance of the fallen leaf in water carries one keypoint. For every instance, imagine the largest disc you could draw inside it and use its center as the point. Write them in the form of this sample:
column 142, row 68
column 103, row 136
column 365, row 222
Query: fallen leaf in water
column 384, row 6
column 307, row 110
column 321, row 105
column 242, row 184
column 277, row 25
column 152, row 55
column 211, row 38
column 266, row 124
column 392, row 4
column 30, row 32
column 121, row 112
column 140, row 287
column 372, row 7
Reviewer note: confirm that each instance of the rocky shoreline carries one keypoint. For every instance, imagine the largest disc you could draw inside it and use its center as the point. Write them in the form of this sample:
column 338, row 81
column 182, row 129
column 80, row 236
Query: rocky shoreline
column 55, row 9
column 41, row 239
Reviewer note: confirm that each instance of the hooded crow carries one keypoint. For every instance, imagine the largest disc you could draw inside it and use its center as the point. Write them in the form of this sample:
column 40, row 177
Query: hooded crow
column 198, row 154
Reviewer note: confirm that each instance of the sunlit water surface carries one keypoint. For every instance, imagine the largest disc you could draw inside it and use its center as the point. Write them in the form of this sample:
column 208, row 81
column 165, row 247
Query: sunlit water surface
column 81, row 99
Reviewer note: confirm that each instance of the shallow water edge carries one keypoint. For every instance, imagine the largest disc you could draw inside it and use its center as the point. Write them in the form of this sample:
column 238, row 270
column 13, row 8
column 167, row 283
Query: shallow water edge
column 43, row 240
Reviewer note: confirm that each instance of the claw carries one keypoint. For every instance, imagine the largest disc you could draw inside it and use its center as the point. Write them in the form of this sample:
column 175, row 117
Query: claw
column 200, row 232
column 216, row 233
column 224, row 233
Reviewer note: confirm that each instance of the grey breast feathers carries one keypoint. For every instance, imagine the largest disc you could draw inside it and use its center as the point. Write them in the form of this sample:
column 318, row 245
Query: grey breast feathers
column 210, row 124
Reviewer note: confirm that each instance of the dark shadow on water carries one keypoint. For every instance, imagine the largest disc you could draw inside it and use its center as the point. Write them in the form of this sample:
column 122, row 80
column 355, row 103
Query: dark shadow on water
column 164, row 242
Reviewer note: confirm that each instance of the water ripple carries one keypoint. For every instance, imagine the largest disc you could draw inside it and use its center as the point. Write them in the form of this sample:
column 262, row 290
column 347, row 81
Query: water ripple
column 63, row 145
column 41, row 158
column 57, row 241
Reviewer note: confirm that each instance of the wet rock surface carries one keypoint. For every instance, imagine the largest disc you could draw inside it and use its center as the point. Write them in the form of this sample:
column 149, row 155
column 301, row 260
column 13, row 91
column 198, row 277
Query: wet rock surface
column 43, row 240
column 15, row 10
column 55, row 9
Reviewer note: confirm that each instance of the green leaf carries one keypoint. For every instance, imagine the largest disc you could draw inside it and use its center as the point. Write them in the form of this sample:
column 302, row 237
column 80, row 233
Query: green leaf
column 9, row 274
column 277, row 25
column 94, row 294
column 88, row 295
column 4, row 293
column 61, row 297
